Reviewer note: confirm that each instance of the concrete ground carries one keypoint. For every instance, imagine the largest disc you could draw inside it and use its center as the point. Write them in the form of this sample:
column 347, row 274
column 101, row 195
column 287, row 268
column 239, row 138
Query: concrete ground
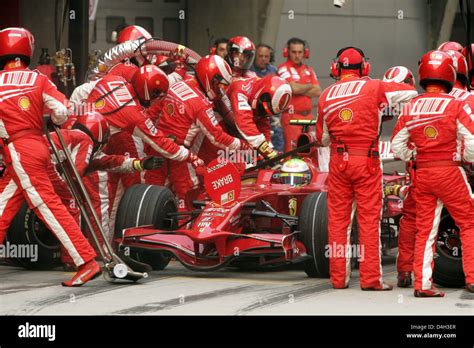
column 177, row 290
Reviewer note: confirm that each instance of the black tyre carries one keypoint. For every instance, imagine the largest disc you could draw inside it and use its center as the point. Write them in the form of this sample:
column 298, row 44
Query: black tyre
column 27, row 231
column 448, row 269
column 314, row 234
column 147, row 205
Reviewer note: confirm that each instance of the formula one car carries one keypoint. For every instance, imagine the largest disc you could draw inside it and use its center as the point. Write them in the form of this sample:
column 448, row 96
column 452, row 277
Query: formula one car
column 258, row 219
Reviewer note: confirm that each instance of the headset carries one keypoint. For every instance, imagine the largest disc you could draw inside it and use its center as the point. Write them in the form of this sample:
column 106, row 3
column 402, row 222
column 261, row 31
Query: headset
column 364, row 66
column 305, row 45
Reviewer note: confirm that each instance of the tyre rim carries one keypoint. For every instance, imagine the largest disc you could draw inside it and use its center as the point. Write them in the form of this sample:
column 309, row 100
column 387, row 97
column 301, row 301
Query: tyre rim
column 449, row 243
column 168, row 207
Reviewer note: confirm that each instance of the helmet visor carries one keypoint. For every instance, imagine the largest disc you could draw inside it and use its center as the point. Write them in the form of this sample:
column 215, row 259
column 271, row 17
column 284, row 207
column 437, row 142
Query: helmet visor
column 295, row 179
column 242, row 60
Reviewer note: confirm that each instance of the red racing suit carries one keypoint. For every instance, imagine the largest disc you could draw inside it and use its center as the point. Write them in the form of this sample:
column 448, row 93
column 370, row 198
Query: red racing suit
column 115, row 99
column 407, row 235
column 133, row 146
column 436, row 123
column 237, row 110
column 187, row 118
column 349, row 119
column 158, row 176
column 23, row 95
column 80, row 146
column 301, row 106
column 253, row 128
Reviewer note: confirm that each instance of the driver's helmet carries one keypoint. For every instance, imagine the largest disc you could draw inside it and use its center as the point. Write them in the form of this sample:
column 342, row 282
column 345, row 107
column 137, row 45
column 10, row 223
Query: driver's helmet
column 295, row 172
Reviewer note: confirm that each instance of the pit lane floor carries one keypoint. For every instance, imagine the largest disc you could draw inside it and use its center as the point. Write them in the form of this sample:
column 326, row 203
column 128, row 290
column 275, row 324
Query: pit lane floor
column 177, row 290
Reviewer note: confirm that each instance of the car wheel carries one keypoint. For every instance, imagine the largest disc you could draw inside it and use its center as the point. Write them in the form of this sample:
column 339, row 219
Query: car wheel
column 147, row 205
column 27, row 231
column 314, row 234
column 448, row 269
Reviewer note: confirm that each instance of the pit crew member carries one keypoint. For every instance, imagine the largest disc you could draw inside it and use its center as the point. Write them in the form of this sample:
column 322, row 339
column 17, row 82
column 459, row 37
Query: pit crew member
column 436, row 122
column 305, row 86
column 349, row 119
column 24, row 94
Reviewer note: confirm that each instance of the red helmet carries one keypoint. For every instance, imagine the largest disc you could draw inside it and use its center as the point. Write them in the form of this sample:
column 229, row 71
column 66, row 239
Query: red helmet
column 459, row 64
column 437, row 66
column 16, row 43
column 150, row 82
column 132, row 33
column 450, row 46
column 399, row 74
column 212, row 72
column 94, row 125
column 240, row 52
column 351, row 58
column 272, row 95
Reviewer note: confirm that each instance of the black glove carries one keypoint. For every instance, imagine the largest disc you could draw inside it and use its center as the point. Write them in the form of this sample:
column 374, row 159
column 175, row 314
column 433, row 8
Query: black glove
column 148, row 163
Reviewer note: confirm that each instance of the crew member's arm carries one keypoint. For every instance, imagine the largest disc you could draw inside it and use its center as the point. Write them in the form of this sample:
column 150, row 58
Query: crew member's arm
column 297, row 88
column 315, row 90
column 207, row 122
column 246, row 126
column 81, row 93
column 300, row 89
column 55, row 101
column 465, row 129
column 322, row 132
column 78, row 143
column 146, row 130
column 400, row 140
column 396, row 94
column 123, row 164
column 265, row 127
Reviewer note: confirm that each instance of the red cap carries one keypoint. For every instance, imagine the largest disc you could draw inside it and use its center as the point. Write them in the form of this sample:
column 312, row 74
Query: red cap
column 350, row 56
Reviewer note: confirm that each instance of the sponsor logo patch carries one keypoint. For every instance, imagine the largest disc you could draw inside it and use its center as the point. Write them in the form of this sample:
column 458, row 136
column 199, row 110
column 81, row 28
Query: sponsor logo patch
column 431, row 132
column 293, row 206
column 100, row 104
column 212, row 117
column 24, row 103
column 346, row 115
column 169, row 109
column 227, row 197
column 151, row 127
